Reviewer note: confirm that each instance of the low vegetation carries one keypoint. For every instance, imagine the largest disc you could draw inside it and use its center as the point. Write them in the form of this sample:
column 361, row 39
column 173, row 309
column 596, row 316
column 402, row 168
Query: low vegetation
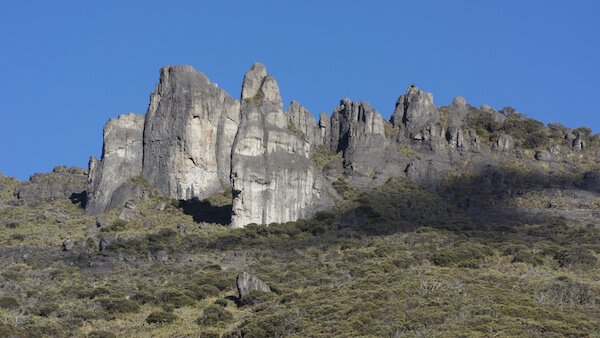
column 395, row 261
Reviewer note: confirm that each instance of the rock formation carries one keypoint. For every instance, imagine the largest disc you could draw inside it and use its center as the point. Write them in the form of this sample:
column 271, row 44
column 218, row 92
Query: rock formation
column 62, row 182
column 358, row 131
column 416, row 112
column 181, row 147
column 196, row 141
column 121, row 160
column 302, row 122
column 189, row 131
column 247, row 283
column 272, row 176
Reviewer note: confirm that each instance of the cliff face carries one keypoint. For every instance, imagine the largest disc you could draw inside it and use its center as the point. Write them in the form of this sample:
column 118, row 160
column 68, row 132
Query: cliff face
column 121, row 160
column 357, row 130
column 188, row 134
column 196, row 141
column 181, row 147
column 272, row 177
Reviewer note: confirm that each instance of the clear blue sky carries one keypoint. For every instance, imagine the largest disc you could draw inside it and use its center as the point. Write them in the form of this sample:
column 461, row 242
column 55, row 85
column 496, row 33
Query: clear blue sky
column 68, row 66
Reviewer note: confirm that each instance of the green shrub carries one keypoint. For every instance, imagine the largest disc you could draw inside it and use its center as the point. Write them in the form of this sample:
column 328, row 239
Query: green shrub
column 12, row 225
column 143, row 297
column 8, row 303
column 45, row 310
column 575, row 257
column 17, row 237
column 118, row 225
column 214, row 316
column 176, row 299
column 101, row 334
column 220, row 302
column 163, row 240
column 256, row 297
column 10, row 331
column 209, row 334
column 467, row 255
column 210, row 290
column 160, row 317
column 115, row 305
column 529, row 132
column 483, row 123
column 93, row 293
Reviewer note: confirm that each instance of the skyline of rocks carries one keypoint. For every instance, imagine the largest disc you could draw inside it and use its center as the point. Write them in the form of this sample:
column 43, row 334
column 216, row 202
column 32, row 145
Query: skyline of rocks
column 196, row 140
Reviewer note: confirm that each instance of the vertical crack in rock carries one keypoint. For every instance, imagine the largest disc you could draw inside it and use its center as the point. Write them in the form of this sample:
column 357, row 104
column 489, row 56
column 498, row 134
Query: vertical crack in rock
column 272, row 177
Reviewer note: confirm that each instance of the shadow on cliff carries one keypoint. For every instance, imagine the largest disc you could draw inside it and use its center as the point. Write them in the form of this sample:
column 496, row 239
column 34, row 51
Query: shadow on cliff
column 206, row 212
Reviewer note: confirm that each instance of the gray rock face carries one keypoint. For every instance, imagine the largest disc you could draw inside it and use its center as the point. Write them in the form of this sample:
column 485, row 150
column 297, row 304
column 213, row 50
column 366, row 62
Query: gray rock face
column 543, row 156
column 247, row 283
column 415, row 111
column 504, row 143
column 128, row 212
column 579, row 142
column 67, row 245
column 272, row 177
column 301, row 120
column 325, row 129
column 591, row 180
column 62, row 182
column 189, row 131
column 121, row 160
column 358, row 131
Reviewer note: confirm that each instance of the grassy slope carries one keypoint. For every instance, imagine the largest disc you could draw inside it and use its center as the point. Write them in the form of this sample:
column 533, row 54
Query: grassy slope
column 411, row 265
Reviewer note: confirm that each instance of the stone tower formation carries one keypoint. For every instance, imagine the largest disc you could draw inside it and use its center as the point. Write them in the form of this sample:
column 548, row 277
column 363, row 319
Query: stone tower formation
column 196, row 141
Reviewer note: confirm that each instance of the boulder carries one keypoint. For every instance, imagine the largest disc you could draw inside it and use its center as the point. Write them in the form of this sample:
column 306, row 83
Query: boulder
column 67, row 245
column 188, row 135
column 543, row 156
column 247, row 283
column 591, row 180
column 272, row 176
column 121, row 161
column 504, row 143
column 129, row 211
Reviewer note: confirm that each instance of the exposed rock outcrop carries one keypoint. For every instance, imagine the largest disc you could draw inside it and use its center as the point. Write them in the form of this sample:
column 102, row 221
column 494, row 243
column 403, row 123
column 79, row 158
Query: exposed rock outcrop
column 189, row 131
column 247, row 283
column 416, row 112
column 62, row 182
column 504, row 143
column 121, row 161
column 273, row 178
column 358, row 131
column 302, row 122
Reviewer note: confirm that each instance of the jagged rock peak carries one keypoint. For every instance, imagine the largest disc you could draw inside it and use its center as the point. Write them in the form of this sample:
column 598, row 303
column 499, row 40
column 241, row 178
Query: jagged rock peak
column 253, row 80
column 358, row 131
column 302, row 121
column 415, row 110
column 121, row 160
column 260, row 86
column 272, row 177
